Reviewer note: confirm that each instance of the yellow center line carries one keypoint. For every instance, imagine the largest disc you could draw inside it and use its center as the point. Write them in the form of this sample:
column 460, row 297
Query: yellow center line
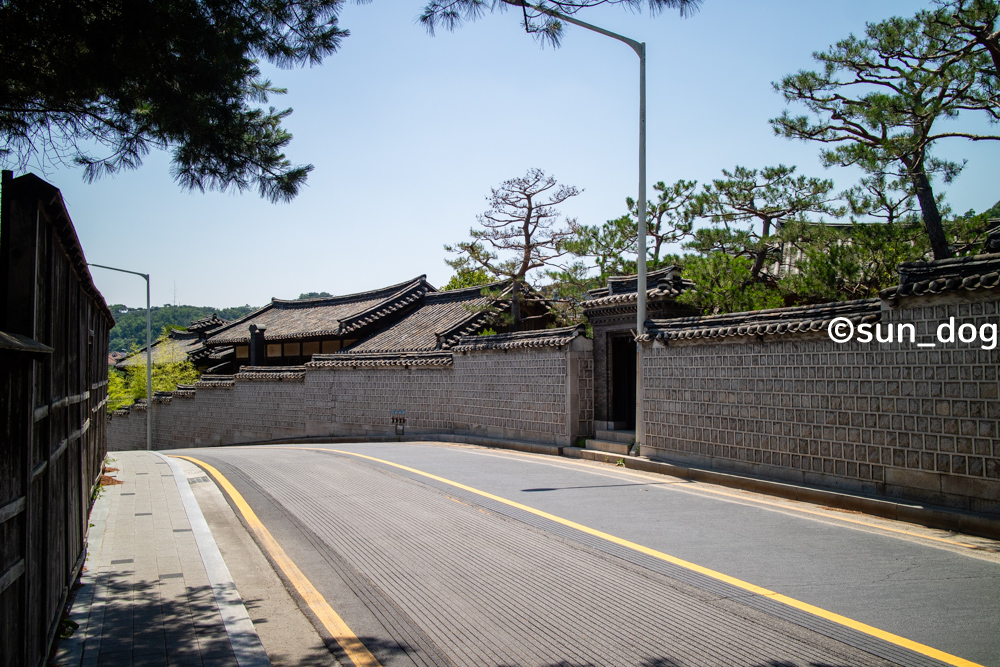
column 703, row 487
column 695, row 487
column 739, row 583
column 331, row 620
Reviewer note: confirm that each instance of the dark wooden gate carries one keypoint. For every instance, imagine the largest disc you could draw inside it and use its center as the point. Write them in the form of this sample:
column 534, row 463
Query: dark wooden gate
column 54, row 328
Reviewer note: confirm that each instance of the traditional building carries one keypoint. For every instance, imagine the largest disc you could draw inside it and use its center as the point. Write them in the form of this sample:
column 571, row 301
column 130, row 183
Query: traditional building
column 289, row 332
column 407, row 317
column 612, row 312
column 442, row 318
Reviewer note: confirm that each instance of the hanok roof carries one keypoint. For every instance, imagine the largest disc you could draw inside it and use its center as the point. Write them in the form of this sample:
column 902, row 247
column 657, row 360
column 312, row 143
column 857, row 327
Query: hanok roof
column 967, row 274
column 325, row 316
column 440, row 320
column 173, row 349
column 660, row 284
column 773, row 321
column 206, row 324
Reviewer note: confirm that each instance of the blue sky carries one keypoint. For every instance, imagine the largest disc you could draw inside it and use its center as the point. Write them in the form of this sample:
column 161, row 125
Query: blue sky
column 409, row 132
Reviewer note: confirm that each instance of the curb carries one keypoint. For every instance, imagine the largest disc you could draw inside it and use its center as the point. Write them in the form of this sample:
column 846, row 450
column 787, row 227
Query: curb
column 243, row 639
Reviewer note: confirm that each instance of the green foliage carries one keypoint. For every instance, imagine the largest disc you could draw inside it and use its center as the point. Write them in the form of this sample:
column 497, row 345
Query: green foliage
column 853, row 263
column 973, row 22
column 467, row 276
column 566, row 292
column 126, row 387
column 614, row 245
column 124, row 78
column 747, row 208
column 130, row 323
column 878, row 99
column 967, row 233
column 119, row 394
column 725, row 284
column 314, row 295
column 670, row 218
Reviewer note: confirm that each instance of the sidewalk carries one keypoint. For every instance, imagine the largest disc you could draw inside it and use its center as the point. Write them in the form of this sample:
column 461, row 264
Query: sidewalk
column 155, row 590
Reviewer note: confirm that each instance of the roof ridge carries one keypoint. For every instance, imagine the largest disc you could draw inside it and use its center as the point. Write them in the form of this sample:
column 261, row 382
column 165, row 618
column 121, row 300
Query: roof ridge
column 389, row 292
column 491, row 307
column 411, row 291
column 391, row 289
column 443, row 294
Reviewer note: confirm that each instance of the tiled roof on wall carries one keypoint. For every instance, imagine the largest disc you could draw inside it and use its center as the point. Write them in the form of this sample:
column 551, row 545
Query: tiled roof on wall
column 215, row 381
column 509, row 341
column 271, row 373
column 326, row 316
column 379, row 359
column 970, row 274
column 774, row 321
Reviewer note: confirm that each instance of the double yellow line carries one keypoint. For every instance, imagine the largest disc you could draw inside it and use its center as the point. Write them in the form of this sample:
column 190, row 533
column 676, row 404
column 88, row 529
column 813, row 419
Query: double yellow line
column 331, row 620
column 339, row 629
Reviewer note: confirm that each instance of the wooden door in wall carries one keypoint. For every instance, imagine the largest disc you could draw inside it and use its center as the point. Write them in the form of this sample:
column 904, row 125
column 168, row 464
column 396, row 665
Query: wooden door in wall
column 622, row 381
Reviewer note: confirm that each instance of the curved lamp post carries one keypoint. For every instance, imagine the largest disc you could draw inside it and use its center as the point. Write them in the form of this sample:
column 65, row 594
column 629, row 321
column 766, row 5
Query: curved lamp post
column 640, row 326
column 149, row 357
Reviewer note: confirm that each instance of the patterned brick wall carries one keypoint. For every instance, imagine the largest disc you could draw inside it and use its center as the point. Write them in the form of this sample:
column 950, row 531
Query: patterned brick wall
column 534, row 394
column 882, row 418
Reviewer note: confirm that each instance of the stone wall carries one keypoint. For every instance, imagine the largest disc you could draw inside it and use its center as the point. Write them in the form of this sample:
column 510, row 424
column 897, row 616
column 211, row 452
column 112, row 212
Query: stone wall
column 891, row 419
column 538, row 394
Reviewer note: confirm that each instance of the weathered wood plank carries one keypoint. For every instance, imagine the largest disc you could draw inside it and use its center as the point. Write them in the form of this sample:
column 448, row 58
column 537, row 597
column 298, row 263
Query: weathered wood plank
column 53, row 392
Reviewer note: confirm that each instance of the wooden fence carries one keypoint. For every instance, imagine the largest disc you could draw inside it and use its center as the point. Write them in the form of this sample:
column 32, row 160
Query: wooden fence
column 54, row 328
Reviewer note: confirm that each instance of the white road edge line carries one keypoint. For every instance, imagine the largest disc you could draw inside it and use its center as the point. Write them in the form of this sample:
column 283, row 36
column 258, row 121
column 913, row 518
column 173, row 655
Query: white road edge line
column 243, row 637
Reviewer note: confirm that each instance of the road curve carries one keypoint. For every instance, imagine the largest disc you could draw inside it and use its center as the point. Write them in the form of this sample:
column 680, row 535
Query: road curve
column 439, row 554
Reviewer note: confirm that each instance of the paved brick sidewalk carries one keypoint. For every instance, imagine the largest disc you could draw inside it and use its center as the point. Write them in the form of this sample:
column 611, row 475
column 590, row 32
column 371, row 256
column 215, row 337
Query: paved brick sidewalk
column 146, row 596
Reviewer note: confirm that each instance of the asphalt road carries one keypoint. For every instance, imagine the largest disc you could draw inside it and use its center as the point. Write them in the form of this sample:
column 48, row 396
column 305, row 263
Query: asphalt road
column 473, row 556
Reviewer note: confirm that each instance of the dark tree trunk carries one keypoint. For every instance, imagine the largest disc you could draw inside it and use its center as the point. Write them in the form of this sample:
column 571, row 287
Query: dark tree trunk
column 761, row 255
column 515, row 305
column 931, row 215
column 992, row 44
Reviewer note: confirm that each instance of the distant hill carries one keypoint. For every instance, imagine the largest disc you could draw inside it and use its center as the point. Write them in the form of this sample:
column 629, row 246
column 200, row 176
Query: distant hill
column 130, row 323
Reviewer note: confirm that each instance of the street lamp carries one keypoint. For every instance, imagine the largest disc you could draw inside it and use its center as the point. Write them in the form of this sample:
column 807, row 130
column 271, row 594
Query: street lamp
column 149, row 357
column 640, row 287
